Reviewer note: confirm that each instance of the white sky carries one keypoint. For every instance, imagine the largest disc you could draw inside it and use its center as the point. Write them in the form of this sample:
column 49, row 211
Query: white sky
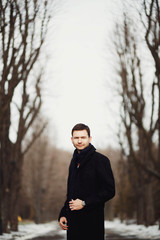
column 80, row 71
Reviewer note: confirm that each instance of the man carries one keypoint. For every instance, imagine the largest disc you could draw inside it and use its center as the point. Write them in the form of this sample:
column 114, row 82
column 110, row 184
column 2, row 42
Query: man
column 90, row 185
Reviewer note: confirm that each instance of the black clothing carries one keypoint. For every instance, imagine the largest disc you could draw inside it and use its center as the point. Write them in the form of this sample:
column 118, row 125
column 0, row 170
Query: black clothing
column 90, row 179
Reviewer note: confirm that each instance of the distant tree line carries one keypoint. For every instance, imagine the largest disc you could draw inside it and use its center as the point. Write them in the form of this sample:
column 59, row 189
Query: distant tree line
column 44, row 181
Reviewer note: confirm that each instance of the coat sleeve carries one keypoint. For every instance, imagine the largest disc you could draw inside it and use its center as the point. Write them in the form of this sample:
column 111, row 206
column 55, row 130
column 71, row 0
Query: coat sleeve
column 63, row 212
column 105, row 182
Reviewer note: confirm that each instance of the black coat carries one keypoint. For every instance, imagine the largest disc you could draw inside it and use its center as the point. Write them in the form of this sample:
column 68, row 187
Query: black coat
column 92, row 182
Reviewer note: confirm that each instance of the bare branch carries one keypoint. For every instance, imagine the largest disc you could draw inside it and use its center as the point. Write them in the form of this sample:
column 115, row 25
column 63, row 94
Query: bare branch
column 34, row 138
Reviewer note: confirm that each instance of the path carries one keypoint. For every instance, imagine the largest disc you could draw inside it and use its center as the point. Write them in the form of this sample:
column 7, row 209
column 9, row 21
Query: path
column 110, row 235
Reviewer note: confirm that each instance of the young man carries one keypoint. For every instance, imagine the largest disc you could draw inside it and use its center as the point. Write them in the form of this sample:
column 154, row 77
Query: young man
column 90, row 185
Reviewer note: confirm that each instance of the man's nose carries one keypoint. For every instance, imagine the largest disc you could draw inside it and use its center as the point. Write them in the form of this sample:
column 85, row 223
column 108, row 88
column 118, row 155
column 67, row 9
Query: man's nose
column 79, row 140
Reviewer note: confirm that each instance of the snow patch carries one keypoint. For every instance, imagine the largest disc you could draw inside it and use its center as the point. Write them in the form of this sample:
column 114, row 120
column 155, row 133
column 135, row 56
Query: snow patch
column 139, row 231
column 30, row 230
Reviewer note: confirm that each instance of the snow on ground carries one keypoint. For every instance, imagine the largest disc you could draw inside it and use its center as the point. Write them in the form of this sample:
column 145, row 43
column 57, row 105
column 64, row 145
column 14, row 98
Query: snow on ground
column 140, row 231
column 31, row 230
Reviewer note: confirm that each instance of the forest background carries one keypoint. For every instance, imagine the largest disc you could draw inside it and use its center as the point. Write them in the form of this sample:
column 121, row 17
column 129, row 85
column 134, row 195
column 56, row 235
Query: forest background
column 33, row 169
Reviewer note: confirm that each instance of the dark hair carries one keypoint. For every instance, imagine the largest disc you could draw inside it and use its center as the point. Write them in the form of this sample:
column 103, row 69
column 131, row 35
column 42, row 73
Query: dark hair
column 79, row 127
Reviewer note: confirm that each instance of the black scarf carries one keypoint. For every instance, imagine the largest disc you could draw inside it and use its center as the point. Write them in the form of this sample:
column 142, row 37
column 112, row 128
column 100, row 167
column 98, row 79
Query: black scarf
column 77, row 160
column 77, row 157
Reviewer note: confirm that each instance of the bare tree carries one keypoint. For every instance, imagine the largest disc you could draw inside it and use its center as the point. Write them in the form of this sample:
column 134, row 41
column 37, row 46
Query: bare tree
column 23, row 27
column 140, row 148
column 151, row 10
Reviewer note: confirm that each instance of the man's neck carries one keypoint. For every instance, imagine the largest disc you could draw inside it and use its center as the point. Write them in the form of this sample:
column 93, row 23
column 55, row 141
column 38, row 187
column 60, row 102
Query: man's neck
column 79, row 151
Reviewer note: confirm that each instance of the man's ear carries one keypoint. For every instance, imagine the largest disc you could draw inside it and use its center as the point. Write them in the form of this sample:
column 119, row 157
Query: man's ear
column 90, row 139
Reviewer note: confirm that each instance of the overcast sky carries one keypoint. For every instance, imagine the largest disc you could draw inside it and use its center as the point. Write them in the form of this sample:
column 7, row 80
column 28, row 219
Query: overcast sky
column 80, row 72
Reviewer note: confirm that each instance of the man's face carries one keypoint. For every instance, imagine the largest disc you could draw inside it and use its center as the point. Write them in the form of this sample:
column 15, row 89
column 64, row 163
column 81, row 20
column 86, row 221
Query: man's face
column 80, row 139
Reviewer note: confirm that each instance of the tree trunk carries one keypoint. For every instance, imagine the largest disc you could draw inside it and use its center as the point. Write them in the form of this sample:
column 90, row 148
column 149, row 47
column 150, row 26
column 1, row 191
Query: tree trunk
column 6, row 152
column 1, row 232
column 150, row 214
column 140, row 207
column 5, row 212
column 15, row 188
column 14, row 220
column 14, row 206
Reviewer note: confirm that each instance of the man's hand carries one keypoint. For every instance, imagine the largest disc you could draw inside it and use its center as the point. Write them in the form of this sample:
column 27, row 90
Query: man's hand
column 75, row 204
column 63, row 223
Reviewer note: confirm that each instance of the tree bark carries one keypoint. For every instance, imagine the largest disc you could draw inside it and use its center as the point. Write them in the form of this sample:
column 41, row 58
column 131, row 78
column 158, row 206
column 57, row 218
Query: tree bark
column 150, row 212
